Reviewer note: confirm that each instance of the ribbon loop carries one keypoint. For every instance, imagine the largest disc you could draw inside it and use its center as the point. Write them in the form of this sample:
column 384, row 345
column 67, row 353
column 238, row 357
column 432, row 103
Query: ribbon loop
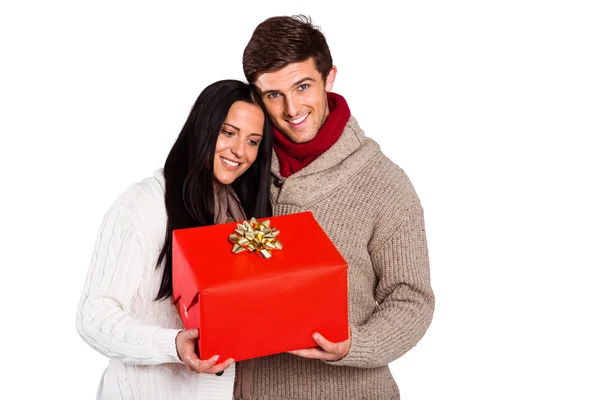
column 255, row 236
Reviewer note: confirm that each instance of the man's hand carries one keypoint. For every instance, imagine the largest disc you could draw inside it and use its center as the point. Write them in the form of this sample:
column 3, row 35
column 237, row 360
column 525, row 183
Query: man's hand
column 327, row 351
column 186, row 350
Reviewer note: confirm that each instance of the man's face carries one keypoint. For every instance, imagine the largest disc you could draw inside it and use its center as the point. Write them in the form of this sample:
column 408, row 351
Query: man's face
column 296, row 99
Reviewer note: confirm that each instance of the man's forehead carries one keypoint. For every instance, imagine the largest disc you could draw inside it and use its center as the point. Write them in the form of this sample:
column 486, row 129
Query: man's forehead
column 288, row 76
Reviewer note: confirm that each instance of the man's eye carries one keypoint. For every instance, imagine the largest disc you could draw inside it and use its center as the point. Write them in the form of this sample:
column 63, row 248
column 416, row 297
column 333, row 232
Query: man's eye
column 273, row 95
column 304, row 86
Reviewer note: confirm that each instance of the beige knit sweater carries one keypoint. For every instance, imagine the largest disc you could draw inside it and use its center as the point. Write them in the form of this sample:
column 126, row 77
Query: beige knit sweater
column 369, row 208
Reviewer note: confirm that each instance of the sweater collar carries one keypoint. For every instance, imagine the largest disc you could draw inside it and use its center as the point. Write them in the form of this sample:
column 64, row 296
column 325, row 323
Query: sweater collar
column 342, row 162
column 351, row 141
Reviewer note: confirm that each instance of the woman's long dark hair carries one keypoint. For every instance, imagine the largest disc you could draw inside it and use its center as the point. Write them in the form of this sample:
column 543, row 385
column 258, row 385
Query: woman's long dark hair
column 189, row 169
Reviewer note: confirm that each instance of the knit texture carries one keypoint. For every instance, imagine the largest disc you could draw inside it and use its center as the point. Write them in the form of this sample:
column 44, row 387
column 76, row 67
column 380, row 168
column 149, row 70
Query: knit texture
column 369, row 208
column 118, row 316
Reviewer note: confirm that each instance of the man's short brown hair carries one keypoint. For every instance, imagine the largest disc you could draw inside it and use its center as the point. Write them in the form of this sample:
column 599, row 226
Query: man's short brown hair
column 279, row 41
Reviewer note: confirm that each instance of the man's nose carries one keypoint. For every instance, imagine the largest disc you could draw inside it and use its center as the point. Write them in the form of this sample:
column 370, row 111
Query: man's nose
column 291, row 106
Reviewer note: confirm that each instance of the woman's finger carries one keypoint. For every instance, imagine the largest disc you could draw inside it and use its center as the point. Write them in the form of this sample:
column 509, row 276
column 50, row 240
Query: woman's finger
column 205, row 365
column 220, row 367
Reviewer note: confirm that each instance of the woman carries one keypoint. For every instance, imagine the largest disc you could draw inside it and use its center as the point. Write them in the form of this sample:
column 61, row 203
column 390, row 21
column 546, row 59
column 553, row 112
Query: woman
column 217, row 171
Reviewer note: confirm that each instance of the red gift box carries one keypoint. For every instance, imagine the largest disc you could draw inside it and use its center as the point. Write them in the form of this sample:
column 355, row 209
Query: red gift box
column 245, row 306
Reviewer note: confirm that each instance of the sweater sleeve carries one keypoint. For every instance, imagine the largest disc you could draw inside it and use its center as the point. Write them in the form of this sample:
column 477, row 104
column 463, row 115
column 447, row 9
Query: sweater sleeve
column 405, row 300
column 104, row 321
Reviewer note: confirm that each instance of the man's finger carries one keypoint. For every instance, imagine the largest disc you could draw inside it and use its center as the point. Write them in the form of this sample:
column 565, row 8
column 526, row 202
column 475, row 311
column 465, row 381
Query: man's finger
column 325, row 344
column 311, row 353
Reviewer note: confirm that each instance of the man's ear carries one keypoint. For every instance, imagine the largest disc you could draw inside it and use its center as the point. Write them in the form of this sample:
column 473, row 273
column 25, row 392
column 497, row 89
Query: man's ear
column 330, row 78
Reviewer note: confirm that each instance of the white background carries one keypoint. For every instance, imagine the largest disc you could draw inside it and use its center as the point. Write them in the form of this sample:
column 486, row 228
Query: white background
column 492, row 108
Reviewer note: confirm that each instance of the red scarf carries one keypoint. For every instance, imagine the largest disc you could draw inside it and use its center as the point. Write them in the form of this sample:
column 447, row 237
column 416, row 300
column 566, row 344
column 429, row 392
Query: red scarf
column 295, row 156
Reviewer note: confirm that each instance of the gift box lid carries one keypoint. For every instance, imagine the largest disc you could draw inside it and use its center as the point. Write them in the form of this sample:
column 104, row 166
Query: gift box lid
column 212, row 266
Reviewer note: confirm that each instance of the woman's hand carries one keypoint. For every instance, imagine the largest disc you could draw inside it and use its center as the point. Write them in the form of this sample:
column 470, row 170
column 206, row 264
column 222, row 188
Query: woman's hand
column 186, row 345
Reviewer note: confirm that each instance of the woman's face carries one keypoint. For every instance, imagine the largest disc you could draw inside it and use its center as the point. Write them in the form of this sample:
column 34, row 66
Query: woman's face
column 238, row 141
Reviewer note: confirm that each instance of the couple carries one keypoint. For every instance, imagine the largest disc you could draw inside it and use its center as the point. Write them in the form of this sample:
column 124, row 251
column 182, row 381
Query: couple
column 222, row 169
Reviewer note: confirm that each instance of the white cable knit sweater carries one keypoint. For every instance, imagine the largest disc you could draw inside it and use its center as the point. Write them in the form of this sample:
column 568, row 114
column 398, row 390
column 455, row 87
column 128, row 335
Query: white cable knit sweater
column 117, row 313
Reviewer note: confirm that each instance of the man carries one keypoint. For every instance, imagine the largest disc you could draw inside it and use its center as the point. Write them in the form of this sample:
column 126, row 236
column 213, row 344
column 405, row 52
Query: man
column 324, row 163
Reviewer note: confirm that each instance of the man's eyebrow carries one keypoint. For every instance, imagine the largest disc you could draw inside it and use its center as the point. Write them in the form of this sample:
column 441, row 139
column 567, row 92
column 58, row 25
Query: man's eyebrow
column 301, row 81
column 233, row 126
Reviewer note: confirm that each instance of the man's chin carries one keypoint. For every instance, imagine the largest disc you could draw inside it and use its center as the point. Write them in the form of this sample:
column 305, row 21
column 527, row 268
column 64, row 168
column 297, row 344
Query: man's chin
column 297, row 137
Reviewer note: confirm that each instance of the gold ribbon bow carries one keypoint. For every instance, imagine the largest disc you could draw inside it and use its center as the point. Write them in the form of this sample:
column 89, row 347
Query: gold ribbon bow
column 256, row 237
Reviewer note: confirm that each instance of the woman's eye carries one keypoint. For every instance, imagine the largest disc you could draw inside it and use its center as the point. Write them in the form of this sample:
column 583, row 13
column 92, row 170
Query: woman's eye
column 227, row 133
column 253, row 142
